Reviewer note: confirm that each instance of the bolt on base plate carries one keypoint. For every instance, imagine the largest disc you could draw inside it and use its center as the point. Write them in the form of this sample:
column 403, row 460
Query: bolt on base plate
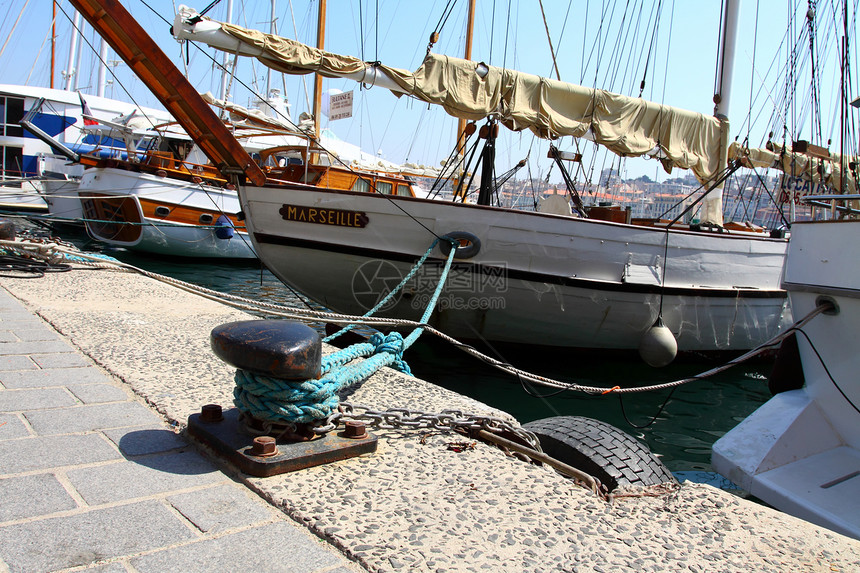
column 226, row 437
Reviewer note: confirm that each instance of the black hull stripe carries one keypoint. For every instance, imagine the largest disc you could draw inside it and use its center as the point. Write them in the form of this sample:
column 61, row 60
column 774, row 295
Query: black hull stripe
column 530, row 276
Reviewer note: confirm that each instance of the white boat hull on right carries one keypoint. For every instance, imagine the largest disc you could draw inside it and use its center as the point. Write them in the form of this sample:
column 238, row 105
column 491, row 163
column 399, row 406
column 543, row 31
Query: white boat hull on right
column 800, row 451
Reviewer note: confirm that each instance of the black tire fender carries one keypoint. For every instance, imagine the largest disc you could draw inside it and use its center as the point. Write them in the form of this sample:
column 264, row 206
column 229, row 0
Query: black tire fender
column 469, row 244
column 601, row 450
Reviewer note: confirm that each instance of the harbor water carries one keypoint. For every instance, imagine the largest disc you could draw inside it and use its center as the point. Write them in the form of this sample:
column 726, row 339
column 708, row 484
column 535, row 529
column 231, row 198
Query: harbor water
column 679, row 426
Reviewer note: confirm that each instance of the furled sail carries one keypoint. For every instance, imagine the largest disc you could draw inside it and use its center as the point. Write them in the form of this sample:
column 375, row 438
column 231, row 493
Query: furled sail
column 828, row 171
column 470, row 90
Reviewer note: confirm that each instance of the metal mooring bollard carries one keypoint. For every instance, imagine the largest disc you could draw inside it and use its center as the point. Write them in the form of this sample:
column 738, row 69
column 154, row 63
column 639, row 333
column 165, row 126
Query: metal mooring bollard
column 276, row 348
column 282, row 350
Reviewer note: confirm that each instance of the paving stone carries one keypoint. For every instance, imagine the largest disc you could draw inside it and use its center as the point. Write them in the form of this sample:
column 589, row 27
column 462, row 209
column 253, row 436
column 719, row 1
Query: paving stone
column 90, row 418
column 43, row 453
column 97, row 393
column 78, row 540
column 12, row 427
column 20, row 320
column 145, row 440
column 8, row 336
column 143, row 477
column 34, row 399
column 18, row 316
column 39, row 347
column 29, row 496
column 61, row 360
column 16, row 362
column 35, row 334
column 117, row 567
column 276, row 548
column 221, row 508
column 59, row 377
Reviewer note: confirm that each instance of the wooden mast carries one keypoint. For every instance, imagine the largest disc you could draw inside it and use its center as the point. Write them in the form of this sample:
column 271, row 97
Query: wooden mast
column 470, row 24
column 113, row 22
column 317, row 77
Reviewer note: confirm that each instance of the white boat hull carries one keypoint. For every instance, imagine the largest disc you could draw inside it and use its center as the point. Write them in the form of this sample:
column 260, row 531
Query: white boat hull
column 540, row 279
column 800, row 451
column 162, row 216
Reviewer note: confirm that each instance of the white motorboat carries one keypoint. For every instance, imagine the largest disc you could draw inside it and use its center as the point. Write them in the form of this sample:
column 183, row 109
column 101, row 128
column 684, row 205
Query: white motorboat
column 800, row 451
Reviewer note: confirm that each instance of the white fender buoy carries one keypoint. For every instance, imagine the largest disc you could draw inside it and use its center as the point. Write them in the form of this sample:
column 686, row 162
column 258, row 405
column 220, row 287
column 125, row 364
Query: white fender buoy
column 658, row 346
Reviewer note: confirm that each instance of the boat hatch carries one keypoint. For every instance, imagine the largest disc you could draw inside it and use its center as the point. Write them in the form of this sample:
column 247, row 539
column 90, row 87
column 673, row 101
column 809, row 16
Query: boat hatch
column 115, row 219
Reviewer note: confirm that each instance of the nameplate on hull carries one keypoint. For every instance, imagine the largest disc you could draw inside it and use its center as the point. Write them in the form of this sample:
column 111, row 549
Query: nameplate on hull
column 323, row 216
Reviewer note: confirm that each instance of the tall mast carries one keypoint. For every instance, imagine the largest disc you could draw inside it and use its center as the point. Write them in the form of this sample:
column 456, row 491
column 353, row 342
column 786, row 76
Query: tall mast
column 73, row 48
column 224, row 72
column 712, row 205
column 470, row 24
column 102, row 81
column 727, row 59
column 272, row 31
column 53, row 39
column 317, row 77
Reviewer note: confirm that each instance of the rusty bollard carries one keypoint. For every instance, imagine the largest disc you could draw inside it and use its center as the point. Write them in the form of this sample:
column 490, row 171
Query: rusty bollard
column 282, row 352
column 274, row 348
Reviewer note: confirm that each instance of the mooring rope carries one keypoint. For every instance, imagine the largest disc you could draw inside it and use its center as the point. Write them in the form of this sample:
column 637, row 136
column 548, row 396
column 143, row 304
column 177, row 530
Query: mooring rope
column 304, row 314
column 279, row 401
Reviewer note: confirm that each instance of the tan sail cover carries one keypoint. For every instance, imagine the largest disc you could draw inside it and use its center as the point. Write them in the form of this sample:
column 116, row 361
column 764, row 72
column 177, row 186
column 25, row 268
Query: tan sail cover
column 549, row 108
column 813, row 169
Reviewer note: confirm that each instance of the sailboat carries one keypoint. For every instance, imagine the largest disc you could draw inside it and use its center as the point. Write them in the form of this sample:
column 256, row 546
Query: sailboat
column 171, row 201
column 523, row 277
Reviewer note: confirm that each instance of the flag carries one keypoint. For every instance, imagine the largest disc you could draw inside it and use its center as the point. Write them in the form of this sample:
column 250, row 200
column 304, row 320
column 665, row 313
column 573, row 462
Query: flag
column 88, row 115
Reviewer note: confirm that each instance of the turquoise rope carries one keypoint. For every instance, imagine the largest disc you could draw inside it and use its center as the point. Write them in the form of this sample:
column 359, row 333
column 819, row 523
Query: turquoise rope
column 391, row 294
column 306, row 401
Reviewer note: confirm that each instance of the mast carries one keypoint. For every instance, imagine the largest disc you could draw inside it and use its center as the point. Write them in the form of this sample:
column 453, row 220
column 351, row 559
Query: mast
column 272, row 31
column 224, row 72
column 70, row 69
column 712, row 205
column 317, row 77
column 470, row 24
column 727, row 59
column 53, row 39
column 103, row 54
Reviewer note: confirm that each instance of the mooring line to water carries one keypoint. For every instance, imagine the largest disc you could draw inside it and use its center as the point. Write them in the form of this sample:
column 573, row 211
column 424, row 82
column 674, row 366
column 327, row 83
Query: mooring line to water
column 56, row 253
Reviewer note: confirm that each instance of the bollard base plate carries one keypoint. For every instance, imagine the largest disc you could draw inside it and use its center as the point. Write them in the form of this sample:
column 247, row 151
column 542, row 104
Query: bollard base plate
column 228, row 439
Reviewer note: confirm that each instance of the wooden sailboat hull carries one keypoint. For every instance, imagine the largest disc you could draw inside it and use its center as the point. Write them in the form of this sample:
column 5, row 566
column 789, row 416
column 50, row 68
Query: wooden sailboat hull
column 160, row 215
column 537, row 278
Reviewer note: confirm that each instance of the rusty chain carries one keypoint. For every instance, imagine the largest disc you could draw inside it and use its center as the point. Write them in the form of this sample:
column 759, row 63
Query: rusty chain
column 451, row 420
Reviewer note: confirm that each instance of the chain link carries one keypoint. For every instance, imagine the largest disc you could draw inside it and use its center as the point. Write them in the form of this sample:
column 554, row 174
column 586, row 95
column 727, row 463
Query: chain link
column 401, row 418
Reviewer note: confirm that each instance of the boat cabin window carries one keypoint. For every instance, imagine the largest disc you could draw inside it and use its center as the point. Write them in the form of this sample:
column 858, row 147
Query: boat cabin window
column 12, row 167
column 383, row 187
column 361, row 185
column 403, row 191
column 11, row 112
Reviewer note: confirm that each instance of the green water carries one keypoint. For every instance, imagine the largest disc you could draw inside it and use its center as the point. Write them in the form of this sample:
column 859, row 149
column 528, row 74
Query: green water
column 692, row 419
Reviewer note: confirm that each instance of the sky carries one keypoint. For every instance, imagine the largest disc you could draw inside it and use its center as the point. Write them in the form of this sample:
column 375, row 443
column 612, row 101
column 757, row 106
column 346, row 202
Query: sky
column 595, row 42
